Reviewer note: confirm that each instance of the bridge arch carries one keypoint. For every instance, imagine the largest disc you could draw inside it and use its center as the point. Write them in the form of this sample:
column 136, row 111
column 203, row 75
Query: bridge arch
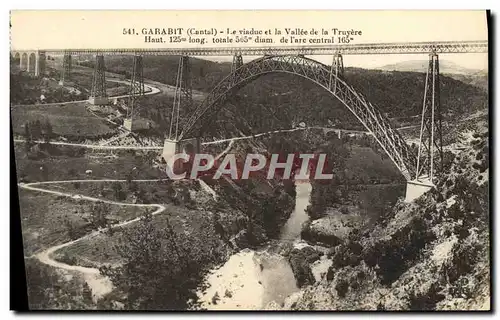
column 31, row 62
column 371, row 118
column 24, row 61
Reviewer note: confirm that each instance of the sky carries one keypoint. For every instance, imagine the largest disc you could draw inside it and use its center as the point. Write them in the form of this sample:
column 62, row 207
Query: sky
column 477, row 61
column 411, row 26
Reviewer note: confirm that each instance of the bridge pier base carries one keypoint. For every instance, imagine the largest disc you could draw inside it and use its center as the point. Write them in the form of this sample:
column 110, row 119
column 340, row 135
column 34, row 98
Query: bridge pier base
column 416, row 188
column 98, row 94
column 173, row 147
column 68, row 83
column 62, row 83
column 99, row 101
column 128, row 124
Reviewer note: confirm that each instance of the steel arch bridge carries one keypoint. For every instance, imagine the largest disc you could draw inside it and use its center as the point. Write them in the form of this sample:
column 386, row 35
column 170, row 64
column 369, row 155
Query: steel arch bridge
column 330, row 79
column 419, row 170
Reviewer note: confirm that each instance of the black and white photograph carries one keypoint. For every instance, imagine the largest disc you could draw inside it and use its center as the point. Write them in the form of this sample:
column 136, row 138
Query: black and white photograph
column 251, row 160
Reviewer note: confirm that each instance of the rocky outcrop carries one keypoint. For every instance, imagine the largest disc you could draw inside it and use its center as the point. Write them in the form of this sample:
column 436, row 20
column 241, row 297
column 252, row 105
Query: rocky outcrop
column 332, row 229
column 429, row 255
column 250, row 237
column 300, row 261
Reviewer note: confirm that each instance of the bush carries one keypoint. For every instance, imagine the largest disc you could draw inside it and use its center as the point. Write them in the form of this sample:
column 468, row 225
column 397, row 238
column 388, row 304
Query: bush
column 395, row 256
column 342, row 287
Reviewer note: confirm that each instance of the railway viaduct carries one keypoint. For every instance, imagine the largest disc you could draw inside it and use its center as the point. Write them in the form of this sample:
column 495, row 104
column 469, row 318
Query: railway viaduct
column 419, row 169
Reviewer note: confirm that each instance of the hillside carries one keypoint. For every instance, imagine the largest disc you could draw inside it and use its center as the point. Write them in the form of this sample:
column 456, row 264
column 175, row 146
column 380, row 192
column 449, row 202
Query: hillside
column 474, row 77
column 204, row 74
column 445, row 66
column 429, row 255
column 282, row 100
column 478, row 79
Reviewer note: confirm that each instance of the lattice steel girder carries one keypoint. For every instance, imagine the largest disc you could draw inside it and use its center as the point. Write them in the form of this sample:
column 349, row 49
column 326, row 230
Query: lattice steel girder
column 185, row 84
column 99, row 78
column 237, row 63
column 477, row 46
column 336, row 70
column 431, row 124
column 183, row 97
column 376, row 123
column 66, row 69
column 137, row 88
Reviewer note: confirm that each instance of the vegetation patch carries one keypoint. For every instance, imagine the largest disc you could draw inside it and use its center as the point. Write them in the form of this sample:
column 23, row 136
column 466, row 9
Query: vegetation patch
column 70, row 120
column 48, row 289
column 42, row 162
column 49, row 220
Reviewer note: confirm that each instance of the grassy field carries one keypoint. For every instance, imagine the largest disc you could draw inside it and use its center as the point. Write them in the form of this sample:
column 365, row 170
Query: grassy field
column 46, row 219
column 70, row 120
column 92, row 252
column 70, row 163
column 49, row 289
column 127, row 192
column 25, row 90
column 194, row 232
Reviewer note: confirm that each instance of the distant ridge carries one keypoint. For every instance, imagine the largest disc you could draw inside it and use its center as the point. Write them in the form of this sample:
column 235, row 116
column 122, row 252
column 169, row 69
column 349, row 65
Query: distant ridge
column 421, row 66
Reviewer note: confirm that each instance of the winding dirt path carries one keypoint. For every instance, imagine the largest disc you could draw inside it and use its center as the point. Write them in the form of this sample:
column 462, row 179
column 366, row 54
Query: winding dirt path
column 99, row 284
column 154, row 90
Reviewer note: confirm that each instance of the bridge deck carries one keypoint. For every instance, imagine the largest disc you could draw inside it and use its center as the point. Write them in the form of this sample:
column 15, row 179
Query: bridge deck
column 440, row 47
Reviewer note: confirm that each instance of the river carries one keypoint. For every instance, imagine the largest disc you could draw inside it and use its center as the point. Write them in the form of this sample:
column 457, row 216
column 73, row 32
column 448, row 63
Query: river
column 292, row 228
column 251, row 279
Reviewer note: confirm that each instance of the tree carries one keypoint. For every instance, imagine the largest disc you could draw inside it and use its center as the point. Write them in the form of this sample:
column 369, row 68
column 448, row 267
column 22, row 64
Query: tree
column 142, row 196
column 86, row 292
column 117, row 189
column 219, row 228
column 132, row 185
column 48, row 131
column 36, row 129
column 372, row 203
column 99, row 212
column 154, row 275
column 70, row 229
column 45, row 172
column 318, row 203
column 47, row 291
column 28, row 137
column 27, row 132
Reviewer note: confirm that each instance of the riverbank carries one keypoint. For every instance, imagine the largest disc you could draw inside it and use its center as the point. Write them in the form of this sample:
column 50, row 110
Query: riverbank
column 252, row 279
